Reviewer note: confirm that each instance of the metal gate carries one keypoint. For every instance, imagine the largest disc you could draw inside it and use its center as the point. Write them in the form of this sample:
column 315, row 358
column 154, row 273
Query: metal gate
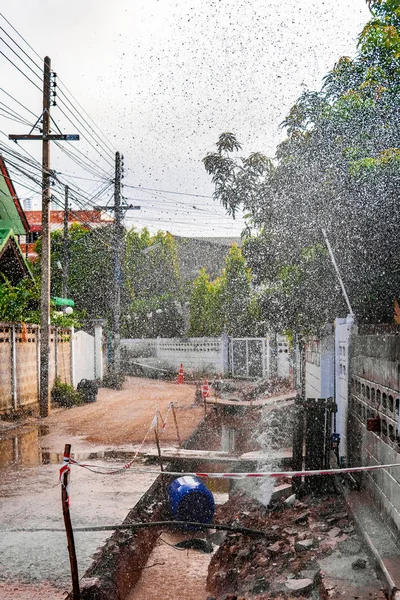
column 249, row 357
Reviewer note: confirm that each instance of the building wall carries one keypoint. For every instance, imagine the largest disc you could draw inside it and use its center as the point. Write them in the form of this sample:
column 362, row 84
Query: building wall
column 375, row 390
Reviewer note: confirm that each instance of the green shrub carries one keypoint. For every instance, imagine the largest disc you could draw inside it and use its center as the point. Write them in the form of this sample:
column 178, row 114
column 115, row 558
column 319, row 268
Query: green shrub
column 114, row 381
column 65, row 395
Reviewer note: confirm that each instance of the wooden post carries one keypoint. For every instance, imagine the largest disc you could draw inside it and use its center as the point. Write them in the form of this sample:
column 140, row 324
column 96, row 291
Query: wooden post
column 158, row 445
column 76, row 594
column 298, row 441
column 176, row 426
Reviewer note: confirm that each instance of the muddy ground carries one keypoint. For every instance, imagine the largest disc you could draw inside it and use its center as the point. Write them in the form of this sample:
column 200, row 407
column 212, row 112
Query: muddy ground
column 34, row 565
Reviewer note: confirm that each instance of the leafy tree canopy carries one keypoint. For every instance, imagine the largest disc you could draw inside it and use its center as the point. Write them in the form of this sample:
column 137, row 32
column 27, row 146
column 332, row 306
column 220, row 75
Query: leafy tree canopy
column 339, row 169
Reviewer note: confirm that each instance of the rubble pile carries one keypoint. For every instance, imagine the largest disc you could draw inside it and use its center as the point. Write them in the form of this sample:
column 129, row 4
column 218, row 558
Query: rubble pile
column 285, row 564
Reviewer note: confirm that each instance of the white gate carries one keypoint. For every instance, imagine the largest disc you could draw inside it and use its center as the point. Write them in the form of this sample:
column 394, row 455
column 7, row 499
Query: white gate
column 249, row 357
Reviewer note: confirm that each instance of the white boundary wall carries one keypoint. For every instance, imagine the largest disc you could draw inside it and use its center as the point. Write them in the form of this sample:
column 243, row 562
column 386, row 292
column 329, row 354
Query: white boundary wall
column 201, row 354
column 196, row 354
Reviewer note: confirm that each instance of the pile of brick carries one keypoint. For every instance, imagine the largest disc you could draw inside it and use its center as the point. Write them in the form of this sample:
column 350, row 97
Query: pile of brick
column 287, row 565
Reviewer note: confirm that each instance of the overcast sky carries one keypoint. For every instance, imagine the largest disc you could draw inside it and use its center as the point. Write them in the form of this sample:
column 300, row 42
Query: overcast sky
column 163, row 78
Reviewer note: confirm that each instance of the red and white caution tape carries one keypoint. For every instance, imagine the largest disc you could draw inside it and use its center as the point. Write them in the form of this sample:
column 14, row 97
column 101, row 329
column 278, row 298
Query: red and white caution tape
column 272, row 473
column 164, row 421
column 256, row 475
column 65, row 471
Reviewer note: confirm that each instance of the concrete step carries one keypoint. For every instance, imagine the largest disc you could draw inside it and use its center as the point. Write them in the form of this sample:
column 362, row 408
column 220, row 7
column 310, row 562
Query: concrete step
column 379, row 538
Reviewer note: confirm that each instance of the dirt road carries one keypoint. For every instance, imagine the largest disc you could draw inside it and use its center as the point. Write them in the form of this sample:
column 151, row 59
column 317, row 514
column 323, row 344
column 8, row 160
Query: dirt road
column 30, row 492
column 121, row 417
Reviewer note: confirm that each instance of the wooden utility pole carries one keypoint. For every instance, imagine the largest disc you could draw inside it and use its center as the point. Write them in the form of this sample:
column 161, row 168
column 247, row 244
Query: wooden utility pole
column 76, row 594
column 45, row 137
column 119, row 210
column 44, row 400
column 118, row 234
column 65, row 266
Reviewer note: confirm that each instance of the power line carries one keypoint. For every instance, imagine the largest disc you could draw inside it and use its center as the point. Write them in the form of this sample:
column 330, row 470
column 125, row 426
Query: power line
column 21, row 59
column 86, row 113
column 105, row 146
column 22, row 50
column 12, row 117
column 18, row 102
column 24, row 74
column 135, row 187
column 17, row 32
column 88, row 141
column 80, row 161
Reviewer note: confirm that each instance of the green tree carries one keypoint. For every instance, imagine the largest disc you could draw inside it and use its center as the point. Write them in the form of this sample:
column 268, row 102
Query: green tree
column 337, row 169
column 205, row 306
column 227, row 303
column 153, row 295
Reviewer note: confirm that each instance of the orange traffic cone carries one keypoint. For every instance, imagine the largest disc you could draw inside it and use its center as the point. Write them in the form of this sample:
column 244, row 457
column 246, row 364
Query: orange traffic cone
column 181, row 378
column 206, row 389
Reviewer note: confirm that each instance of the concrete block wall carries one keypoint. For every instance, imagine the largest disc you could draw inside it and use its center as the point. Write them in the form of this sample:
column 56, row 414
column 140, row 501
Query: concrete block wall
column 20, row 364
column 26, row 364
column 5, row 367
column 63, row 355
column 375, row 391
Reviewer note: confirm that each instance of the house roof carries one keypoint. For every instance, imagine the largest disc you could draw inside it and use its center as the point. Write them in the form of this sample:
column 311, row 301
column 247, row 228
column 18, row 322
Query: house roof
column 12, row 261
column 11, row 214
column 89, row 217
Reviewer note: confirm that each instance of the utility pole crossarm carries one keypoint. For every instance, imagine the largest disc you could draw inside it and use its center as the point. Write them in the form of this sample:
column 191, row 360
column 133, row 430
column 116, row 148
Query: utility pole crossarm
column 69, row 137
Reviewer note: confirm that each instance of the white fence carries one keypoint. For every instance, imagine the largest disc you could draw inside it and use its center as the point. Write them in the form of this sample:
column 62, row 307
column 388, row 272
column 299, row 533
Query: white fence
column 87, row 355
column 196, row 354
column 242, row 357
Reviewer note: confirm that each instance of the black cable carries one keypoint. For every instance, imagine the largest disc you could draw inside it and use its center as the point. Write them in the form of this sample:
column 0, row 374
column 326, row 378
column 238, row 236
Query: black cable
column 24, row 74
column 17, row 32
column 18, row 102
column 87, row 114
column 80, row 162
column 22, row 50
column 135, row 187
column 21, row 59
column 151, row 524
column 87, row 140
column 12, row 117
column 105, row 147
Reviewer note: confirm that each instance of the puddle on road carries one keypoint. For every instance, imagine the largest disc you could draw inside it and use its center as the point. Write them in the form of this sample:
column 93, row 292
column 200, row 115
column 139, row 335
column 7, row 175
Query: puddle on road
column 21, row 447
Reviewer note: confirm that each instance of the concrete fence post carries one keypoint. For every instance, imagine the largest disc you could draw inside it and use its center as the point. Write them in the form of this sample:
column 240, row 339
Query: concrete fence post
column 72, row 358
column 38, row 361
column 225, row 353
column 273, row 355
column 98, row 351
column 14, row 396
column 55, row 352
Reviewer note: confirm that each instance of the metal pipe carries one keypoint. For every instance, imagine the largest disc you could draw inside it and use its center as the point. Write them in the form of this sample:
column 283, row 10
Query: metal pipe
column 337, row 271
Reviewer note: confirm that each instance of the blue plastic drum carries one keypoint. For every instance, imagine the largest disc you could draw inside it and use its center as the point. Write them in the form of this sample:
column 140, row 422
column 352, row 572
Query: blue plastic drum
column 191, row 500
